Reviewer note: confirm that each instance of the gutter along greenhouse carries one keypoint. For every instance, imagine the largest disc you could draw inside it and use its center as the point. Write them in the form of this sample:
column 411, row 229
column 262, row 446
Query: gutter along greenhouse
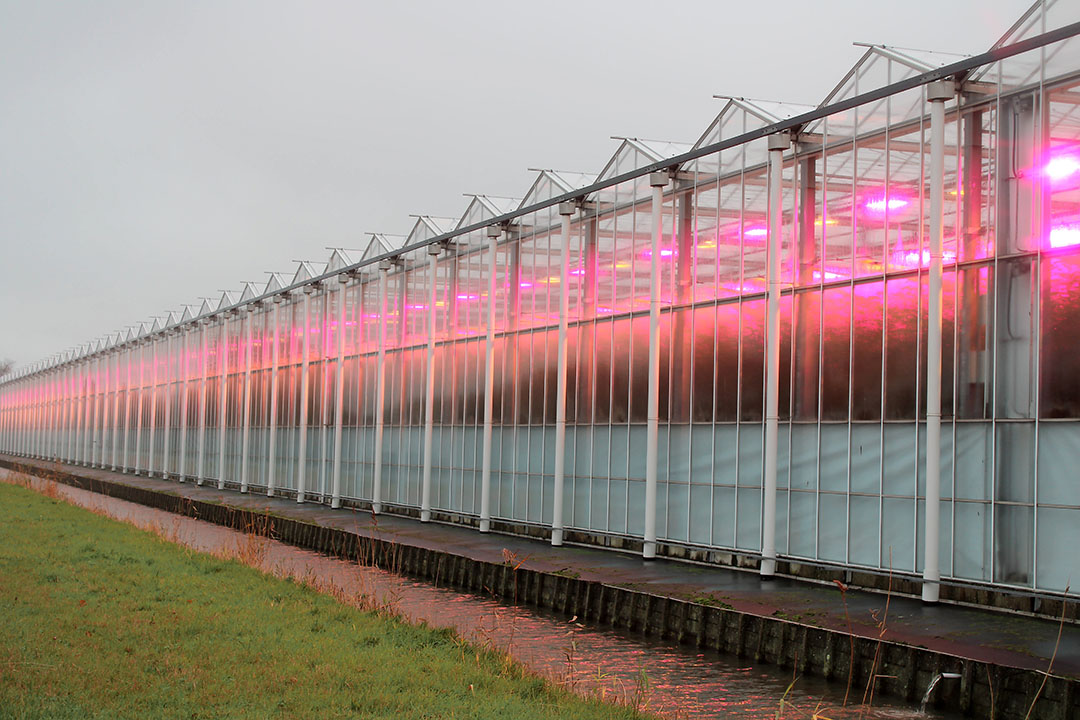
column 841, row 335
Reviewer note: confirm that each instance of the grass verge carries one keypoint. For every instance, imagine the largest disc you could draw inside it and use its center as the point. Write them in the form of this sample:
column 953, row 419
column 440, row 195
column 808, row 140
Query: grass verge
column 105, row 620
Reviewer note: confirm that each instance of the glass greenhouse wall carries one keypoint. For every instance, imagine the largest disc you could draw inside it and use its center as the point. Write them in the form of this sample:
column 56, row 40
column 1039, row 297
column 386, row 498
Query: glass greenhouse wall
column 723, row 345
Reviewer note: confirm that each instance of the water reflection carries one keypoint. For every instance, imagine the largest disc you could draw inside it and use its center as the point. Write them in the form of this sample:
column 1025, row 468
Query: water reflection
column 669, row 679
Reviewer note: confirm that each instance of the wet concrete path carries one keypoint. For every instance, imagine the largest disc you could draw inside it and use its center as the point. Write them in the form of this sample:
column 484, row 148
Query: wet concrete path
column 989, row 636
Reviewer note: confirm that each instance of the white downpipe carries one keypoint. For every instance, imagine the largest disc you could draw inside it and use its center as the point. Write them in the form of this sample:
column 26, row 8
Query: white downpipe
column 937, row 93
column 245, row 439
column 658, row 180
column 185, row 369
column 271, row 469
column 223, row 399
column 566, row 209
column 493, row 234
column 429, row 407
column 380, row 389
column 778, row 143
column 305, row 354
column 139, row 405
column 166, row 420
column 200, row 467
column 339, row 395
column 153, row 407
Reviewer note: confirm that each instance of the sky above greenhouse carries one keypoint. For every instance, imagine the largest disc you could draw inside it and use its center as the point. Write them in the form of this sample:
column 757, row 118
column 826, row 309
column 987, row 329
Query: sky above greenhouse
column 155, row 153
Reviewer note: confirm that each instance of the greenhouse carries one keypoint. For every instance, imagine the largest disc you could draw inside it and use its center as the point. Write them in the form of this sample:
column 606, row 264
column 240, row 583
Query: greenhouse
column 843, row 335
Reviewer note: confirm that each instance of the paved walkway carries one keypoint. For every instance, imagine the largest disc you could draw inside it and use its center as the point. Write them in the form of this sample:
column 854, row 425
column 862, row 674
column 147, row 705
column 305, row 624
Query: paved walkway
column 986, row 635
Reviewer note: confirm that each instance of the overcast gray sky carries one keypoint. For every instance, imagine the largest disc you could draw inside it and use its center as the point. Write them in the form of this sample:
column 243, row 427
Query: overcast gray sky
column 152, row 153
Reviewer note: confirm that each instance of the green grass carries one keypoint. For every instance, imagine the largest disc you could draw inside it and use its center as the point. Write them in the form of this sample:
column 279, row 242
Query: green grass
column 100, row 619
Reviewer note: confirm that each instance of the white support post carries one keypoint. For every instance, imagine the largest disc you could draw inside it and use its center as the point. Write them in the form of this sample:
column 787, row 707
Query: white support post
column 200, row 463
column 104, row 372
column 566, row 210
column 152, row 435
column 658, row 181
column 223, row 399
column 166, row 420
column 54, row 414
column 69, row 414
column 429, row 390
column 301, row 471
column 493, row 234
column 99, row 399
column 139, row 406
column 185, row 369
column 87, row 414
column 937, row 93
column 127, row 409
column 115, row 411
column 339, row 393
column 380, row 389
column 271, row 469
column 245, row 442
column 778, row 145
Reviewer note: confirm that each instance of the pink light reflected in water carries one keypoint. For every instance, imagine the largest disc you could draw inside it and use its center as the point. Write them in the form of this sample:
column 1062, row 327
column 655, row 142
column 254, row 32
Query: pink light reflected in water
column 665, row 254
column 467, row 296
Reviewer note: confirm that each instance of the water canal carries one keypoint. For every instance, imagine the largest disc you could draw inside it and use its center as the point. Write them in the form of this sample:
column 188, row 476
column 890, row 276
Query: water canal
column 668, row 679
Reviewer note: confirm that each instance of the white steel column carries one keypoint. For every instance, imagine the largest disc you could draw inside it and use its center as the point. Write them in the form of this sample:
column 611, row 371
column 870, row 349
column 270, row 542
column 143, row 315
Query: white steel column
column 301, row 472
column 658, row 180
column 493, row 234
column 106, row 385
column 200, row 466
column 69, row 413
column 272, row 444
column 139, row 406
column 115, row 439
column 223, row 398
column 127, row 409
column 778, row 144
column 84, row 413
column 429, row 392
column 566, row 209
column 166, row 419
column 380, row 389
column 937, row 93
column 246, row 437
column 339, row 393
column 95, row 449
column 151, row 436
column 185, row 369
